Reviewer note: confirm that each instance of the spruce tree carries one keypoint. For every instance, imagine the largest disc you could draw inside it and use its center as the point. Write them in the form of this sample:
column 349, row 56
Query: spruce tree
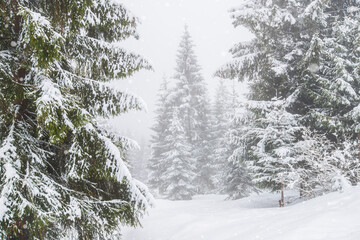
column 332, row 83
column 62, row 175
column 159, row 144
column 190, row 98
column 273, row 155
column 306, row 49
column 332, row 76
column 180, row 171
column 303, row 52
column 221, row 113
column 205, row 180
column 236, row 178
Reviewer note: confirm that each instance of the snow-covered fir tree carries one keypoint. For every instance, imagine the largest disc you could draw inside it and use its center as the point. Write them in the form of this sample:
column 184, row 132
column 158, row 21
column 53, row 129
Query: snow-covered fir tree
column 236, row 180
column 270, row 60
column 307, row 48
column 190, row 98
column 159, row 144
column 205, row 180
column 221, row 120
column 62, row 175
column 275, row 133
column 332, row 82
column 302, row 51
column 180, row 165
column 332, row 78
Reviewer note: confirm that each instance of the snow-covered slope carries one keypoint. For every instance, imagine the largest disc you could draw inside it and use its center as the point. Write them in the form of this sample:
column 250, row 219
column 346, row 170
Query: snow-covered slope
column 335, row 216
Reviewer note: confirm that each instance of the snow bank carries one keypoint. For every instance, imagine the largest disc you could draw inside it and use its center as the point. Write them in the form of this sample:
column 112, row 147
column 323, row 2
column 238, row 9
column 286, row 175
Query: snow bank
column 335, row 216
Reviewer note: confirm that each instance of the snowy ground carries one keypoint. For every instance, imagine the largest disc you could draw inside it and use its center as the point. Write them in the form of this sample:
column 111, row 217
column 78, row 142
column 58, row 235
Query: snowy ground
column 335, row 216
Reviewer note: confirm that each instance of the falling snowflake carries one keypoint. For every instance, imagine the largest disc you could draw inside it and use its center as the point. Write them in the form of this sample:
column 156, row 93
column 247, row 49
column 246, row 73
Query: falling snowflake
column 314, row 67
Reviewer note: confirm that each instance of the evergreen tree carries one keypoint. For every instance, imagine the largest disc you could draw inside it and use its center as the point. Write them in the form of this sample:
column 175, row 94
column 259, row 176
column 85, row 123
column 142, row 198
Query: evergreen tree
column 205, row 180
column 270, row 60
column 273, row 155
column 190, row 98
column 332, row 76
column 189, row 89
column 62, row 175
column 179, row 174
column 236, row 179
column 301, row 54
column 156, row 164
column 306, row 49
column 220, row 125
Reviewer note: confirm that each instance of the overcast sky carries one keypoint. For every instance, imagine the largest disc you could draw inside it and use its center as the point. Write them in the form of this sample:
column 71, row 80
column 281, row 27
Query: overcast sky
column 162, row 24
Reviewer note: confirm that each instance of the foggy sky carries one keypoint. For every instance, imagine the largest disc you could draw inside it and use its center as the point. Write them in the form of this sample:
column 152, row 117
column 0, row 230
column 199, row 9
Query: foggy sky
column 162, row 24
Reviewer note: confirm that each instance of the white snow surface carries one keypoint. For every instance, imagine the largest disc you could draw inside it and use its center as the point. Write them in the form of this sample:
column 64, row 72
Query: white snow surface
column 335, row 216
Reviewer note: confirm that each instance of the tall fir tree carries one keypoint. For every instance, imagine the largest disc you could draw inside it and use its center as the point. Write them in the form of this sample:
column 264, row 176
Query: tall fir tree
column 294, row 56
column 189, row 89
column 62, row 175
column 190, row 98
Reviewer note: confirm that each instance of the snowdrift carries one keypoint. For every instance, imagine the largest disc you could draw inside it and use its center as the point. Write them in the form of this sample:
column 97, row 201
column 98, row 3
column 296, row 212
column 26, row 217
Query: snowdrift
column 335, row 216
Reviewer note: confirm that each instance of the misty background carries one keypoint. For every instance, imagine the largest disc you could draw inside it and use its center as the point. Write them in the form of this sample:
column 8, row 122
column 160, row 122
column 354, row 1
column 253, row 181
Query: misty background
column 161, row 26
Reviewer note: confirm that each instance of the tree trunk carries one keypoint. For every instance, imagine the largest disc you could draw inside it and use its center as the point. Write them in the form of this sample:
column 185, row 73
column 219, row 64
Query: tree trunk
column 281, row 201
column 359, row 146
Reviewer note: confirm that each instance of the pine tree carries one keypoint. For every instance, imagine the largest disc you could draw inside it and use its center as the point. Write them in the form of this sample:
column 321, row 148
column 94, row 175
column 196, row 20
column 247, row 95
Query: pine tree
column 156, row 164
column 189, row 87
column 332, row 82
column 179, row 174
column 190, row 98
column 62, row 175
column 307, row 48
column 273, row 154
column 301, row 54
column 220, row 124
column 332, row 78
column 202, row 150
column 236, row 179
column 270, row 60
